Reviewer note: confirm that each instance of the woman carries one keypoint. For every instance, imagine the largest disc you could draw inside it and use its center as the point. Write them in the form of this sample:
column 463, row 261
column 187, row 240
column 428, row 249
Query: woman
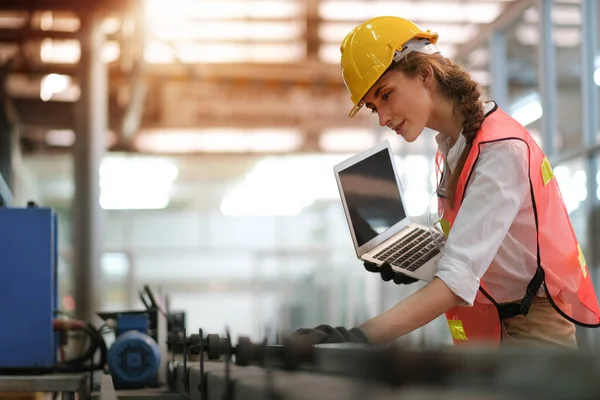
column 512, row 270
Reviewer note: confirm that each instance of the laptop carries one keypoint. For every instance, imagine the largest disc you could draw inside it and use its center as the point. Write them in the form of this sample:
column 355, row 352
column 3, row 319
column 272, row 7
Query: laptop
column 375, row 210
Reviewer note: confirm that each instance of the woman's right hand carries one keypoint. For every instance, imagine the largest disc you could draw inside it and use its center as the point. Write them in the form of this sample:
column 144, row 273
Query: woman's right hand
column 387, row 273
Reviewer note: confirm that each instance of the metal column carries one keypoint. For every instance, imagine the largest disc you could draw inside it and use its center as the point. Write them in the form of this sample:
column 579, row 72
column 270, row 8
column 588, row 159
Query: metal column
column 589, row 102
column 8, row 137
column 548, row 78
column 89, row 150
column 589, row 93
column 499, row 68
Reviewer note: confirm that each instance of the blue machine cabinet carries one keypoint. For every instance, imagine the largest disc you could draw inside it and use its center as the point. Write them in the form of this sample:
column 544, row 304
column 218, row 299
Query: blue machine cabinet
column 28, row 287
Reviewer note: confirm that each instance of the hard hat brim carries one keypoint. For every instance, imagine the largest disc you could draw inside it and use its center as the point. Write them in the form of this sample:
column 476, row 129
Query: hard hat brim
column 354, row 110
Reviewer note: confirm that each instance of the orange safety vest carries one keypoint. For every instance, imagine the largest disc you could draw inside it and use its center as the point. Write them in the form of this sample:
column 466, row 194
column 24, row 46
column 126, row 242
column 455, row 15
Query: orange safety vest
column 561, row 266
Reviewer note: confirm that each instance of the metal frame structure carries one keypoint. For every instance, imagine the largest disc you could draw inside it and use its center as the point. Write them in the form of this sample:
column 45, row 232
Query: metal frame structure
column 68, row 384
column 357, row 371
column 548, row 87
column 6, row 197
column 589, row 94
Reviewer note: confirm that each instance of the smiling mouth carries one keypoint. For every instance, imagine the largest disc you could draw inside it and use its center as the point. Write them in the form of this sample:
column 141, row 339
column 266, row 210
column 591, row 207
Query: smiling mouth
column 398, row 128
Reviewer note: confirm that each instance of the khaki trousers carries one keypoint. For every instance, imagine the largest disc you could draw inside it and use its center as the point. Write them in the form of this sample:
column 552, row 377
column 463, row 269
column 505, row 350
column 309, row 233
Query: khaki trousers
column 542, row 327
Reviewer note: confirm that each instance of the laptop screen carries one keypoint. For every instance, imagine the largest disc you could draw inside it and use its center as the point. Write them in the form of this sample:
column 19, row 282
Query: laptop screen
column 372, row 196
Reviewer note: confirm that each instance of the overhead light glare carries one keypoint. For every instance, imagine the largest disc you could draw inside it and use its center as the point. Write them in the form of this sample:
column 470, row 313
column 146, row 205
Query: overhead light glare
column 220, row 140
column 527, row 109
column 223, row 9
column 60, row 51
column 347, row 139
column 236, row 53
column 175, row 30
column 52, row 84
column 131, row 182
column 461, row 12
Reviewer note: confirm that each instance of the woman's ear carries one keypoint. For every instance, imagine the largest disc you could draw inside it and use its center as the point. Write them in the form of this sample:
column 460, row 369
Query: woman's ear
column 427, row 76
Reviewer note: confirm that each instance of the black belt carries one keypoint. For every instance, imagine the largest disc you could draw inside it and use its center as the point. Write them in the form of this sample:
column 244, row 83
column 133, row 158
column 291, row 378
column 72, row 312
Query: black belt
column 513, row 309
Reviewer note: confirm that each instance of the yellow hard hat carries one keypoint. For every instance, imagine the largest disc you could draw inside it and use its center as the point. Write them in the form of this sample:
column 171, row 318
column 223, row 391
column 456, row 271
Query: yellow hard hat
column 369, row 49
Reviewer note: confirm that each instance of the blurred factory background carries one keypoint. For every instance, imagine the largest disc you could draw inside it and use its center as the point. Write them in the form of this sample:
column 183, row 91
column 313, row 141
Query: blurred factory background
column 190, row 145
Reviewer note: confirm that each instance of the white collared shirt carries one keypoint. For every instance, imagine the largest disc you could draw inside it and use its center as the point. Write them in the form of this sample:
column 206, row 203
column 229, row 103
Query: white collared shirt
column 494, row 231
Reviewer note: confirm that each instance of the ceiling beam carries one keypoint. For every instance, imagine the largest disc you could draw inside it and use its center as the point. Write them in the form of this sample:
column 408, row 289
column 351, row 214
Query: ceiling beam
column 43, row 149
column 29, row 34
column 59, row 115
column 33, row 69
column 69, row 5
column 356, row 21
column 50, row 114
column 267, row 121
column 312, row 29
column 26, row 34
column 8, row 35
column 302, row 72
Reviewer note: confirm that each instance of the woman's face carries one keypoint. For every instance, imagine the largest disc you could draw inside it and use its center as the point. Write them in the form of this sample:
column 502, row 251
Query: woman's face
column 403, row 104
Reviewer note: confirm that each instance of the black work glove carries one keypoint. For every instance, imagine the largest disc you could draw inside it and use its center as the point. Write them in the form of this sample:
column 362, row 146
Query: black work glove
column 388, row 274
column 329, row 334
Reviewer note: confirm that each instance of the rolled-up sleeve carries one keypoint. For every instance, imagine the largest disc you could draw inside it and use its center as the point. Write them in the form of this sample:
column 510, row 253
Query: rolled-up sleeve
column 494, row 196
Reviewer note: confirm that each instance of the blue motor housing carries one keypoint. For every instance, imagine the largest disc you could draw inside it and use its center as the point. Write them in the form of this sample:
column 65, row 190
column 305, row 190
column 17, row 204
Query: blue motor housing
column 133, row 360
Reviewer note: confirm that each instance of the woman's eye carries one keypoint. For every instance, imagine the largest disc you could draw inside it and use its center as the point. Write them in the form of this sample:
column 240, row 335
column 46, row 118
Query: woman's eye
column 386, row 96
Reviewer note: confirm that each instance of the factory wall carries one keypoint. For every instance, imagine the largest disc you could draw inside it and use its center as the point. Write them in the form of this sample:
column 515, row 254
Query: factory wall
column 198, row 258
column 253, row 275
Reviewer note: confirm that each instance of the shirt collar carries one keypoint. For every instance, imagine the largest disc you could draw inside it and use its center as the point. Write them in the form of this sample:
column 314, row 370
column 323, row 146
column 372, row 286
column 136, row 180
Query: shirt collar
column 451, row 154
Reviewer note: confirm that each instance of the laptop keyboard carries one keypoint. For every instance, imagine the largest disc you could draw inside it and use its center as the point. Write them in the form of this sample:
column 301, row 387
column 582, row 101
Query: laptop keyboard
column 412, row 250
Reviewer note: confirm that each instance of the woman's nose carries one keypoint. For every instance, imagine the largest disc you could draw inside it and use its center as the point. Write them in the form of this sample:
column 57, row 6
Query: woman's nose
column 384, row 120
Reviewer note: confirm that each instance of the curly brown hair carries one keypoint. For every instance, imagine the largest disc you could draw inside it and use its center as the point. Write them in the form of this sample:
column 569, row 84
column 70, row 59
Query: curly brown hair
column 456, row 84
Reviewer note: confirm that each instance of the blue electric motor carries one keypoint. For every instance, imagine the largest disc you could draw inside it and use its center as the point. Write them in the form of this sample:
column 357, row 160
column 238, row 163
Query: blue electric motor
column 134, row 358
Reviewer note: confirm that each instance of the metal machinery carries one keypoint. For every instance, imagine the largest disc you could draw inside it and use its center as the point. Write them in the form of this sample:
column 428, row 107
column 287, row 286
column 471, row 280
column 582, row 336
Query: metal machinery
column 153, row 357
column 139, row 350
column 211, row 367
column 28, row 289
column 214, row 369
column 33, row 337
column 134, row 357
column 33, row 333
